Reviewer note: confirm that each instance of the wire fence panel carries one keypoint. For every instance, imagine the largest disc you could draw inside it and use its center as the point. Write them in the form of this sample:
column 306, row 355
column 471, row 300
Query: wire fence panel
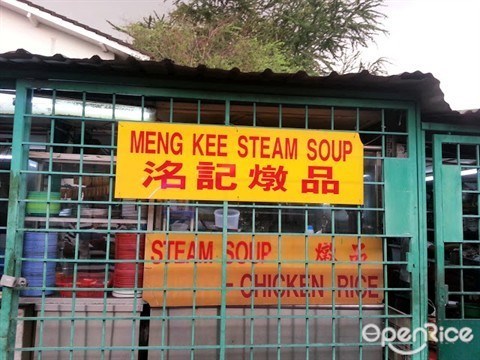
column 139, row 278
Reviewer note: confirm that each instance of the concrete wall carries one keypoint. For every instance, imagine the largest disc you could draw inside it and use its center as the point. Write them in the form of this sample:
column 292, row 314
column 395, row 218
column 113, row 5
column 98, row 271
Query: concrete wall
column 17, row 32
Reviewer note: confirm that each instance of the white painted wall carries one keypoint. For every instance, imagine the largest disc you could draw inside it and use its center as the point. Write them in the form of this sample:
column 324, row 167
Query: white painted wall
column 17, row 32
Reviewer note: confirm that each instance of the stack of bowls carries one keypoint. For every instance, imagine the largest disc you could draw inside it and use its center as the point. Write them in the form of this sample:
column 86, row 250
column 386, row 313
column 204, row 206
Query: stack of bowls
column 130, row 211
column 94, row 212
column 37, row 204
column 127, row 271
column 39, row 245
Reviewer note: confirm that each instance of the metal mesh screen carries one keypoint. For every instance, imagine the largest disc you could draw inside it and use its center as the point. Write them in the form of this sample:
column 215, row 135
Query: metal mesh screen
column 84, row 297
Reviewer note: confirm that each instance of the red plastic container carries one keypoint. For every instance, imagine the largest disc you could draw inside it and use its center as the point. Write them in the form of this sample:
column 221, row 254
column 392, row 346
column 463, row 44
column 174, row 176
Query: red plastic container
column 126, row 279
column 127, row 246
column 127, row 255
column 129, row 239
column 130, row 266
column 95, row 281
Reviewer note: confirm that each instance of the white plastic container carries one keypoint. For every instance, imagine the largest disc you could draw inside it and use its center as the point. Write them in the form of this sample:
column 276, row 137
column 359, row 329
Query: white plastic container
column 232, row 218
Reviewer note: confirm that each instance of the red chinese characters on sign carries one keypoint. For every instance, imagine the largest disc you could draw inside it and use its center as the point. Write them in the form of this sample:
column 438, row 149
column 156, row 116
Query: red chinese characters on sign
column 221, row 177
column 358, row 253
column 166, row 174
column 324, row 251
column 268, row 178
column 211, row 177
column 320, row 180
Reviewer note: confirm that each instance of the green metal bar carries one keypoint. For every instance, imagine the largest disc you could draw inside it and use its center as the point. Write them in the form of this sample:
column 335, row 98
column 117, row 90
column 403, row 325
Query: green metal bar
column 113, row 131
column 16, row 213
column 223, row 286
column 436, row 127
column 195, row 277
column 170, row 115
column 357, row 127
column 439, row 216
column 199, row 116
column 49, row 188
column 232, row 317
column 454, row 139
column 334, row 316
column 332, row 118
column 307, row 285
column 385, row 284
column 418, row 294
column 337, row 99
column 279, row 272
column 143, row 109
column 252, row 286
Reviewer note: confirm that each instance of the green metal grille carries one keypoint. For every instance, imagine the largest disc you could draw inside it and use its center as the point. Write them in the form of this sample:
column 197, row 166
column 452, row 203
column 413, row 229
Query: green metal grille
column 66, row 142
column 5, row 161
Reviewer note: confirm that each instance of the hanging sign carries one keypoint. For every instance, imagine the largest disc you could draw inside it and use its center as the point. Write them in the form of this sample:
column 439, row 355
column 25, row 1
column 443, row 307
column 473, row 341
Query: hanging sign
column 264, row 269
column 230, row 163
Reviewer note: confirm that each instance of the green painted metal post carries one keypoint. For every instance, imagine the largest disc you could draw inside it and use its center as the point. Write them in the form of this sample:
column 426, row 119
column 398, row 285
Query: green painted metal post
column 422, row 225
column 223, row 286
column 16, row 213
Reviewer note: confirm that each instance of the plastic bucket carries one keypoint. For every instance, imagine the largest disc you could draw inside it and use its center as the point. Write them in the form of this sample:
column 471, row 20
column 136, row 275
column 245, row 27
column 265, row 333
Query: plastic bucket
column 232, row 218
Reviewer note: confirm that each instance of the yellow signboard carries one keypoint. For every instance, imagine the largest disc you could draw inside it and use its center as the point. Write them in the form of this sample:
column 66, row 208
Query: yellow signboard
column 193, row 162
column 265, row 269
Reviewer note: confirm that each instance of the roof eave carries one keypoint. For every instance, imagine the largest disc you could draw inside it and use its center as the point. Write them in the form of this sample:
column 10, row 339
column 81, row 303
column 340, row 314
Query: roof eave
column 75, row 30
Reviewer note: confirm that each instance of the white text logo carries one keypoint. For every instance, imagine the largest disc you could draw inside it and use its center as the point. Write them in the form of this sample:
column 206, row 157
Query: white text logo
column 373, row 333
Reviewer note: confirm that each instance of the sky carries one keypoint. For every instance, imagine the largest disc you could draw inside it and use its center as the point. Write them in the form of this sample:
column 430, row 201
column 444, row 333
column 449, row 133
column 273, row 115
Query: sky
column 437, row 36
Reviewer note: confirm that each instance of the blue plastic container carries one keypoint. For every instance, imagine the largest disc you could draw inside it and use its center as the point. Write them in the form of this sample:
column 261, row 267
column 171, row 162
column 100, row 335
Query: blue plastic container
column 35, row 293
column 36, row 280
column 39, row 245
column 37, row 241
column 32, row 268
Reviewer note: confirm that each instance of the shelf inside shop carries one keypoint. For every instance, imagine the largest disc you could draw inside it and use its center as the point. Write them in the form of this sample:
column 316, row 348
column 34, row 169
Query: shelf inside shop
column 84, row 304
column 62, row 219
column 72, row 158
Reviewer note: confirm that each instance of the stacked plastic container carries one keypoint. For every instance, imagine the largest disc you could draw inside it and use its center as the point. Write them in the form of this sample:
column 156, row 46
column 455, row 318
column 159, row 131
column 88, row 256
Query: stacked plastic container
column 124, row 276
column 38, row 249
column 38, row 204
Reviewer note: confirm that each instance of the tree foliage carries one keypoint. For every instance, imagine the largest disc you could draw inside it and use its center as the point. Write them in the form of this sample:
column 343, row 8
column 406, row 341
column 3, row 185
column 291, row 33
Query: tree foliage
column 222, row 44
column 317, row 36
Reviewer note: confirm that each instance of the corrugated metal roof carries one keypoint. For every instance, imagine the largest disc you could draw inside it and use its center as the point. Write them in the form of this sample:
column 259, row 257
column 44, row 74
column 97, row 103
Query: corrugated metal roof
column 422, row 86
column 470, row 112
